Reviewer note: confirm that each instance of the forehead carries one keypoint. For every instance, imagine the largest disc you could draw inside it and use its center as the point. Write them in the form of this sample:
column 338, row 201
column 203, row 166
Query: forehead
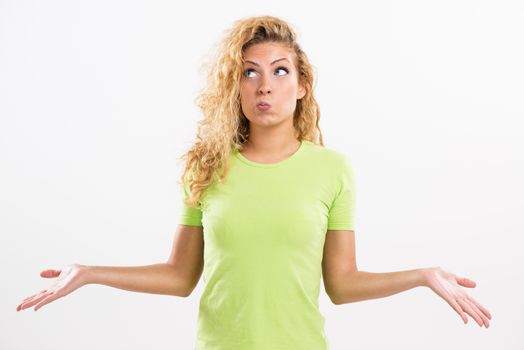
column 265, row 53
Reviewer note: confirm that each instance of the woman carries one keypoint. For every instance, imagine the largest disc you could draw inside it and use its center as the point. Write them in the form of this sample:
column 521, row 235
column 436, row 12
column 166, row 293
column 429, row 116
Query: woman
column 267, row 211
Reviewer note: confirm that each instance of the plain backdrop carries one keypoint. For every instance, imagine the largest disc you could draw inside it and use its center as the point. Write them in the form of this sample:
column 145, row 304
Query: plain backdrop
column 97, row 104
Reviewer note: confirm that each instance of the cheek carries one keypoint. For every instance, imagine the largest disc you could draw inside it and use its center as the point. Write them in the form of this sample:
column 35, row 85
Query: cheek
column 245, row 101
column 242, row 96
column 290, row 87
column 245, row 93
column 290, row 92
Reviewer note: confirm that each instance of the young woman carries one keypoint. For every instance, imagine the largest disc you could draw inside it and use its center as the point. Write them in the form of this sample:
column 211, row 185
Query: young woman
column 267, row 211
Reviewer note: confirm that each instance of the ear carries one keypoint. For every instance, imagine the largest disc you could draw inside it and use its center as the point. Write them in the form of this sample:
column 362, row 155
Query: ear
column 301, row 91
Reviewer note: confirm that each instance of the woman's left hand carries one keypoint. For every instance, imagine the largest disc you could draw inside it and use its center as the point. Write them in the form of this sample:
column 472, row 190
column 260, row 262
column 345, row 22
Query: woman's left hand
column 447, row 286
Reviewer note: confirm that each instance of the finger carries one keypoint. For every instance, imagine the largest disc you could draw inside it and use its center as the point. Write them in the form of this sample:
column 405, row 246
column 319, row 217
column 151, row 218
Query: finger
column 484, row 319
column 47, row 300
column 453, row 303
column 19, row 307
column 28, row 299
column 482, row 308
column 29, row 303
column 466, row 306
column 34, row 301
column 466, row 282
column 32, row 296
column 50, row 273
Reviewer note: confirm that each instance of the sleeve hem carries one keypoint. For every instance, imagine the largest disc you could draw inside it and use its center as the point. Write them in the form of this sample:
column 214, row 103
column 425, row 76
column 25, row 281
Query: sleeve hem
column 341, row 227
column 189, row 221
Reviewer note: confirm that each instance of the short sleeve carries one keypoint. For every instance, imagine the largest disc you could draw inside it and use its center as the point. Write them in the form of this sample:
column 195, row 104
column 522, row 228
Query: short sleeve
column 189, row 215
column 342, row 211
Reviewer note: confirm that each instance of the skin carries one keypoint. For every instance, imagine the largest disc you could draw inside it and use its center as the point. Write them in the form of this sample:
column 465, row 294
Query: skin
column 272, row 138
column 344, row 283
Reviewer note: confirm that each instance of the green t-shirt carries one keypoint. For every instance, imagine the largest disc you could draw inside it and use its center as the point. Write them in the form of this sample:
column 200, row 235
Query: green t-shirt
column 264, row 231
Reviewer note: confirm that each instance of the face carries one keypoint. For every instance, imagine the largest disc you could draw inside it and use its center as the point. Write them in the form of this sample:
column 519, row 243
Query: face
column 269, row 75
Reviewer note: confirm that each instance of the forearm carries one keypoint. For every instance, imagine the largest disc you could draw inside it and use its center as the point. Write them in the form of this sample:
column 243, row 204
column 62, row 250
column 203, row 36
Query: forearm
column 155, row 279
column 362, row 285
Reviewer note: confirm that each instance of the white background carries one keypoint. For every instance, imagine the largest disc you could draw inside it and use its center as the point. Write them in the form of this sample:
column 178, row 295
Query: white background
column 97, row 104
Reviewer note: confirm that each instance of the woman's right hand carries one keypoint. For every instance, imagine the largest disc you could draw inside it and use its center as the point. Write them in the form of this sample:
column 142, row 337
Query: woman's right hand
column 69, row 279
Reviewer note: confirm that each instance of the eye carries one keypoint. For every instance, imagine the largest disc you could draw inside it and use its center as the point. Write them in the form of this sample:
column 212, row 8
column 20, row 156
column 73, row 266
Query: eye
column 283, row 68
column 246, row 72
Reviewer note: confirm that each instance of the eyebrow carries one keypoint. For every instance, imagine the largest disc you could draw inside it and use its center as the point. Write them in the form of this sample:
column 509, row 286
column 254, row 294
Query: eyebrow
column 275, row 61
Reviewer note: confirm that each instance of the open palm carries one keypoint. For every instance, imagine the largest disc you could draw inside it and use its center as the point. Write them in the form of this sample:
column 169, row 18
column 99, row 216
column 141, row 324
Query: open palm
column 448, row 287
column 69, row 279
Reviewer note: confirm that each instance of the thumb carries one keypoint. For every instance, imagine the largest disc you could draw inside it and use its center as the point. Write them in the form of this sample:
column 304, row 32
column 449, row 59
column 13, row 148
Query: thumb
column 50, row 273
column 465, row 282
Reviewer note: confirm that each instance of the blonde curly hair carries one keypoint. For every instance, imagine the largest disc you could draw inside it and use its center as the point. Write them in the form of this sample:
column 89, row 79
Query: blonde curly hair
column 224, row 127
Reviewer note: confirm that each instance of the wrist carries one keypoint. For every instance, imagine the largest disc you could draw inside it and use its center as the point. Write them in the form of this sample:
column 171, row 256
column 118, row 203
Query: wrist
column 86, row 274
column 424, row 275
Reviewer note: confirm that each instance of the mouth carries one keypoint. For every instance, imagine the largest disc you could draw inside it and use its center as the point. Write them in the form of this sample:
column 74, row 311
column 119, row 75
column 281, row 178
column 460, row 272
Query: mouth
column 263, row 106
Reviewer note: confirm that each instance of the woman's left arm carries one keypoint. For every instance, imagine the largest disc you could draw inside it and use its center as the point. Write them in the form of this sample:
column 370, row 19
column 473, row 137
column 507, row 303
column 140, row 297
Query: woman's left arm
column 344, row 283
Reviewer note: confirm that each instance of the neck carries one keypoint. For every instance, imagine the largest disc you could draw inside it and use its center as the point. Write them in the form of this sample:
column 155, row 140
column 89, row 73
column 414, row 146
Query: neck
column 272, row 141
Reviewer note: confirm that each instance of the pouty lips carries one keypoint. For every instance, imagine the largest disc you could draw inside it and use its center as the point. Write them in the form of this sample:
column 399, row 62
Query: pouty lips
column 263, row 106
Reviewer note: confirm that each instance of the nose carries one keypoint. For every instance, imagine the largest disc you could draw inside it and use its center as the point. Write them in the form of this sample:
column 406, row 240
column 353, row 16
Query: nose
column 265, row 87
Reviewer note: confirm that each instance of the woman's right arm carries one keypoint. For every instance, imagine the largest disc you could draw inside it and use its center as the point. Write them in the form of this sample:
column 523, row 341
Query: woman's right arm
column 155, row 279
column 178, row 276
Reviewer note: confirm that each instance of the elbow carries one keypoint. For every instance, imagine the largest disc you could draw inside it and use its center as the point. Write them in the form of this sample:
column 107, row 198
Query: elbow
column 187, row 292
column 183, row 295
column 182, row 283
column 335, row 297
column 342, row 291
column 182, row 291
column 188, row 289
column 336, row 300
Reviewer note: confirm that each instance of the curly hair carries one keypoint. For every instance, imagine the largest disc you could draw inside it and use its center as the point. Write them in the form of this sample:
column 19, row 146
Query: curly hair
column 224, row 127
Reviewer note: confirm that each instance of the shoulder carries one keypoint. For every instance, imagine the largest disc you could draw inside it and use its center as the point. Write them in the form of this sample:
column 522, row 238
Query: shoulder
column 327, row 155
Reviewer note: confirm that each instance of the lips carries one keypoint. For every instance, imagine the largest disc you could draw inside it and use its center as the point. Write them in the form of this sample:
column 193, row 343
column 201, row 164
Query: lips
column 263, row 106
